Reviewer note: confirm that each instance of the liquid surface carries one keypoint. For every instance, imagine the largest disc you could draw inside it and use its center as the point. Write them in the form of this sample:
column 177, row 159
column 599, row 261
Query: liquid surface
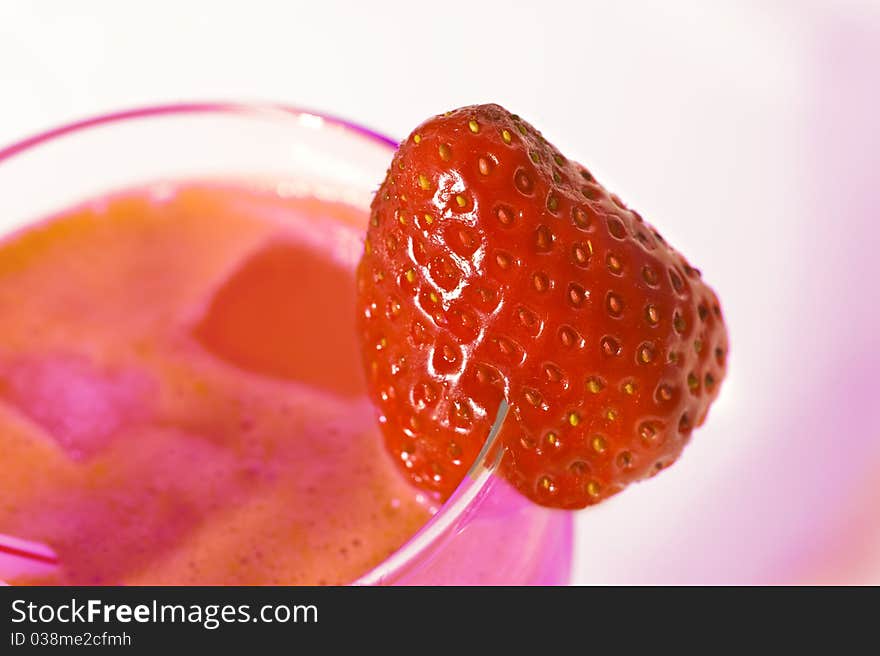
column 181, row 398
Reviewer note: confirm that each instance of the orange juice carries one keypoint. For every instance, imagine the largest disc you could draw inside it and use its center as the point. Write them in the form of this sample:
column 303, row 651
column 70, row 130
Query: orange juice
column 180, row 393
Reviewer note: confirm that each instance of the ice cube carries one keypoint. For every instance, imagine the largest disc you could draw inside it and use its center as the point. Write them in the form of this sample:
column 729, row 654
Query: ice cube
column 80, row 404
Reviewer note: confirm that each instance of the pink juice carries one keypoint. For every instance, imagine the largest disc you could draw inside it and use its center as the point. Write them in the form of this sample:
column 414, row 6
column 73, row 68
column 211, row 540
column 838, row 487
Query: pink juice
column 181, row 403
column 179, row 400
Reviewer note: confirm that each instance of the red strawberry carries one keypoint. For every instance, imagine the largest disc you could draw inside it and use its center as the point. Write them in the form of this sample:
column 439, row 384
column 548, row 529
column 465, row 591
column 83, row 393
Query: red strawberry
column 496, row 268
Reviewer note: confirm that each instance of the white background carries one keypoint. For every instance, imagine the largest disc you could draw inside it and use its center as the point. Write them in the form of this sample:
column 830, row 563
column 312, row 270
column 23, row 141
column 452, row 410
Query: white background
column 691, row 111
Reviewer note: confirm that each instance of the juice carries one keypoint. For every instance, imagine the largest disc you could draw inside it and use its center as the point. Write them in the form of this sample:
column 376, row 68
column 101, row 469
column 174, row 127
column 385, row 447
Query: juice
column 180, row 393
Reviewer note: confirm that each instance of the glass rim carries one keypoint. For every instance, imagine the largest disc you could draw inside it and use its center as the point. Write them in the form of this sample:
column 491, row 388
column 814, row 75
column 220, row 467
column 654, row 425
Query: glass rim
column 154, row 111
column 481, row 471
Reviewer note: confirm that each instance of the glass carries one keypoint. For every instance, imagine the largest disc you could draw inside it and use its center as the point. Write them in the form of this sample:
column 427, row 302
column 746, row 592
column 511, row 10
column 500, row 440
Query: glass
column 486, row 533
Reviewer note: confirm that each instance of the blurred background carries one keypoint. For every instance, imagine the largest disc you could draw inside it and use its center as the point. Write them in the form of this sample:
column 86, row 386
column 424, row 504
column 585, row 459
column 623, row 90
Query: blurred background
column 748, row 131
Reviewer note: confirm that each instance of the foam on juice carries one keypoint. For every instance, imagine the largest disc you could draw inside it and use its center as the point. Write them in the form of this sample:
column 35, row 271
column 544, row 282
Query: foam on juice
column 181, row 398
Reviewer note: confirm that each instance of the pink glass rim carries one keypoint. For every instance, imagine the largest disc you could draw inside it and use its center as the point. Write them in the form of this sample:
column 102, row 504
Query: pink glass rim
column 187, row 108
column 473, row 484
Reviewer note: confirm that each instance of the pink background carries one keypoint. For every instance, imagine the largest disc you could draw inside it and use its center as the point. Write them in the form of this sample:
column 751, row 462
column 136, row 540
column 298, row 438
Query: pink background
column 747, row 131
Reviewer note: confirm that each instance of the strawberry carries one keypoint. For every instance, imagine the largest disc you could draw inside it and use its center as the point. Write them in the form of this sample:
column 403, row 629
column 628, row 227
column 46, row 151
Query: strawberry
column 495, row 268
